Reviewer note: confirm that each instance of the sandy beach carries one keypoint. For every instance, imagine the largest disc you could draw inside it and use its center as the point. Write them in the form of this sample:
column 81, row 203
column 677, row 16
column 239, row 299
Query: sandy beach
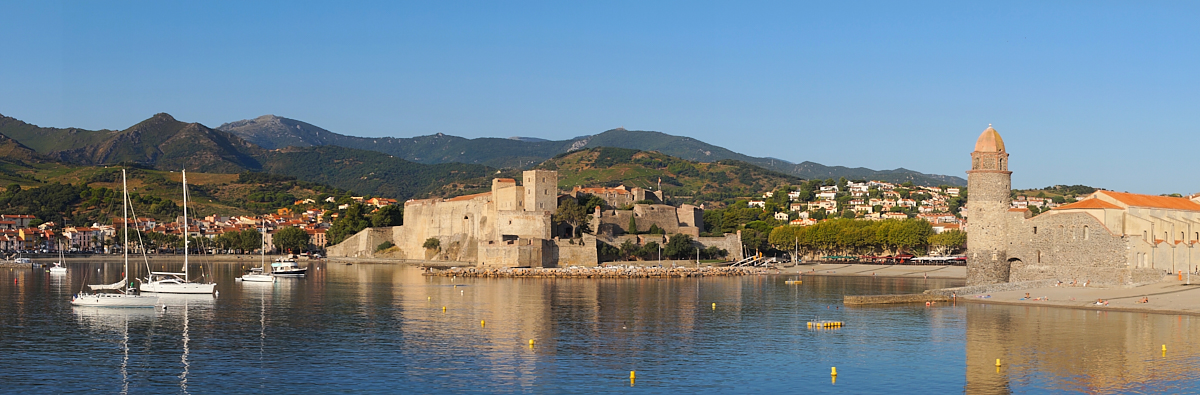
column 909, row 271
column 1170, row 296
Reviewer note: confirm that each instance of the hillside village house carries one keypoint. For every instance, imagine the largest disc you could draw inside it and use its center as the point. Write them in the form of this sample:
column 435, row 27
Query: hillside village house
column 19, row 220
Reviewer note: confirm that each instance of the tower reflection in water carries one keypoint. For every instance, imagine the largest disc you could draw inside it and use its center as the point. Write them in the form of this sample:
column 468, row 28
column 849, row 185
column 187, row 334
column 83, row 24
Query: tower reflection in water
column 1078, row 350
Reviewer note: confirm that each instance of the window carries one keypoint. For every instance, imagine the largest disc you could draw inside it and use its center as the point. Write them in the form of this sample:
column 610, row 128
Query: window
column 1085, row 232
column 1035, row 230
column 1039, row 256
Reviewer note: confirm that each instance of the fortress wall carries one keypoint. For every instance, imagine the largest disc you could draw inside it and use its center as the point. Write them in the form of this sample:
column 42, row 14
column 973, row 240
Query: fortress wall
column 578, row 252
column 458, row 224
column 362, row 244
column 524, row 224
column 517, row 253
column 731, row 242
column 1069, row 246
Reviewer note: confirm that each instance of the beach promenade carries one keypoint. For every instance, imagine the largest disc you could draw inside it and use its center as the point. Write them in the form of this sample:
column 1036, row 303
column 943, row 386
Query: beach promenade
column 909, row 271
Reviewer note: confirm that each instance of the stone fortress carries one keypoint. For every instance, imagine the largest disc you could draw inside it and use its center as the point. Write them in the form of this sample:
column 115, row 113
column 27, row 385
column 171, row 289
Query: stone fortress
column 1106, row 238
column 511, row 227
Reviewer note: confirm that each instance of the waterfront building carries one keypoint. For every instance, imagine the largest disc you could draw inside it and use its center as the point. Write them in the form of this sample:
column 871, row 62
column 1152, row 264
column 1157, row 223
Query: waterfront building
column 1109, row 238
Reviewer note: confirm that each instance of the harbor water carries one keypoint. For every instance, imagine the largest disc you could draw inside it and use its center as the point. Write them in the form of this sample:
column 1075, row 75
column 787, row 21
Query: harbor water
column 377, row 328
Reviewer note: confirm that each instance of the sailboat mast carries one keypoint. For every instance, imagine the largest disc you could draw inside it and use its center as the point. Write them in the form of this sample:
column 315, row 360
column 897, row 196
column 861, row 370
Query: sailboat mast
column 185, row 228
column 125, row 225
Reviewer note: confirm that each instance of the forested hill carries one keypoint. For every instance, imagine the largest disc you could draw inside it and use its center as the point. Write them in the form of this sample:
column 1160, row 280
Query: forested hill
column 515, row 153
column 368, row 171
column 273, row 132
column 683, row 180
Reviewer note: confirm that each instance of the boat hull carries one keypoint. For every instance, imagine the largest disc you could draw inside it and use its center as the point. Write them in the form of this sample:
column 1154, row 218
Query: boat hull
column 257, row 278
column 177, row 288
column 290, row 272
column 114, row 300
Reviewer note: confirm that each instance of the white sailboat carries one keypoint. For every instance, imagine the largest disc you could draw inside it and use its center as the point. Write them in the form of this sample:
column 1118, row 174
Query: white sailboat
column 57, row 267
column 125, row 297
column 256, row 274
column 179, row 283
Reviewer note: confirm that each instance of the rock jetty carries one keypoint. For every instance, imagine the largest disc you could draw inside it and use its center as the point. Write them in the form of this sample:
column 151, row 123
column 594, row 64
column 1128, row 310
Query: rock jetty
column 599, row 272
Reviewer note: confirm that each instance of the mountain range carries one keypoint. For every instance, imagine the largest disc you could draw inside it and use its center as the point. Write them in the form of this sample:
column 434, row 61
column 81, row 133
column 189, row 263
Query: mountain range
column 390, row 167
column 270, row 131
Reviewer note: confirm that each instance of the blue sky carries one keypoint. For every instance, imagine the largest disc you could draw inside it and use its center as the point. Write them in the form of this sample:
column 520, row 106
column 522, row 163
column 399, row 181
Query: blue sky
column 1096, row 93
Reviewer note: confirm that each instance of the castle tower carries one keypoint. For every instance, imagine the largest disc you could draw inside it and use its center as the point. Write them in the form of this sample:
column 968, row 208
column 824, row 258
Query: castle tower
column 988, row 198
column 541, row 190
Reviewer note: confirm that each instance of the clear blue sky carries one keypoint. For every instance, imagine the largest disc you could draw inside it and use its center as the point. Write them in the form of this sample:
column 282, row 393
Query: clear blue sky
column 1096, row 93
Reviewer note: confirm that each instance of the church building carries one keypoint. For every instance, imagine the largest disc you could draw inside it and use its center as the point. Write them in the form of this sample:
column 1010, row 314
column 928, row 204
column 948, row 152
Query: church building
column 1106, row 238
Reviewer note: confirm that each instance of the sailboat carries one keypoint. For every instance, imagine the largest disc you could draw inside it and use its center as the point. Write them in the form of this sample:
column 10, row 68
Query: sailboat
column 256, row 274
column 178, row 283
column 125, row 297
column 57, row 267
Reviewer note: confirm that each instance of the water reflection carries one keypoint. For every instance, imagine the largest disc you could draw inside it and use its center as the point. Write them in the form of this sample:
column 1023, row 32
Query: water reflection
column 1078, row 350
column 375, row 328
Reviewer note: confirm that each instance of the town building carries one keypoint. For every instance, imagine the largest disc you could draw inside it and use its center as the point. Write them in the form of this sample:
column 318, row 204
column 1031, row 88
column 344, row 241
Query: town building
column 1108, row 238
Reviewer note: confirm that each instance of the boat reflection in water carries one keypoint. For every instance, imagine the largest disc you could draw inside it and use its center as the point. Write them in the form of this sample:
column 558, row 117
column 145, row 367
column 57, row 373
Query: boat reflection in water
column 102, row 320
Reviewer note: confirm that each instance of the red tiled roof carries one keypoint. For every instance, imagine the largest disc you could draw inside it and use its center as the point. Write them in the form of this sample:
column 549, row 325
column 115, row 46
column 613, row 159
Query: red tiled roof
column 1088, row 203
column 1138, row 200
column 467, row 197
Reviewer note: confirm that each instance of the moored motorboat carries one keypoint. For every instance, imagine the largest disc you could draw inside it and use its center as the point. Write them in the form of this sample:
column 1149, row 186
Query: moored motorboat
column 287, row 267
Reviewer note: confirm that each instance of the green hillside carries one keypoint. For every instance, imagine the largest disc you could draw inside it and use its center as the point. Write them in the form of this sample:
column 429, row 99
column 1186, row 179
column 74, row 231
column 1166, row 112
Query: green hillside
column 368, row 171
column 683, row 180
column 516, row 153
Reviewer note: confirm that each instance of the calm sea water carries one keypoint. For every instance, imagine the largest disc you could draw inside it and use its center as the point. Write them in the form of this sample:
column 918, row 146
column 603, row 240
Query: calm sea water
column 382, row 329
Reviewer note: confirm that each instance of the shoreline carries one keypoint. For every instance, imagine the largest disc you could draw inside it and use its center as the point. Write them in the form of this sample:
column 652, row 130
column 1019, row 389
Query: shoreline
column 600, row 272
column 1169, row 296
column 869, row 270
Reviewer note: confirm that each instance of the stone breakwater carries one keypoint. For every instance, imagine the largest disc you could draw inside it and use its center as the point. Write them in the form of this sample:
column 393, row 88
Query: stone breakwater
column 600, row 272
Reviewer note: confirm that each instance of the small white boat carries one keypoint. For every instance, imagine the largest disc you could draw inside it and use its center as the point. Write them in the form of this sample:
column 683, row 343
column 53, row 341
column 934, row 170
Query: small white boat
column 57, row 268
column 287, row 267
column 256, row 275
column 23, row 260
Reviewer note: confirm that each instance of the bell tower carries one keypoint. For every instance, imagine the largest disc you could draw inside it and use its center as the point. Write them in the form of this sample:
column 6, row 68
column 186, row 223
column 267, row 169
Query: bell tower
column 989, row 185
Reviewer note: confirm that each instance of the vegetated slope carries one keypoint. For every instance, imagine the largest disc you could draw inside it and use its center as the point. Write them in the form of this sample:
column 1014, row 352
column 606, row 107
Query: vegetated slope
column 168, row 144
column 519, row 152
column 44, row 140
column 272, row 132
column 683, row 180
column 82, row 195
column 696, row 150
column 368, row 172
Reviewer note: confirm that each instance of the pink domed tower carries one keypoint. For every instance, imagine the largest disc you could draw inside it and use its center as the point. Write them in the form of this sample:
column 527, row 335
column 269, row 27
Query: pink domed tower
column 989, row 185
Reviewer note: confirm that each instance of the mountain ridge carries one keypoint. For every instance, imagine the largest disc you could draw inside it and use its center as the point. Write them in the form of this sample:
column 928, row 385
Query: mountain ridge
column 524, row 152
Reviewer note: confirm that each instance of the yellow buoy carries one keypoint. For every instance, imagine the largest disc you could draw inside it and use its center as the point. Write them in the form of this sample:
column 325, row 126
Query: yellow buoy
column 443, row 309
column 631, row 375
column 997, row 362
column 530, row 342
column 834, row 371
column 714, row 305
column 430, row 298
column 482, row 323
column 1164, row 348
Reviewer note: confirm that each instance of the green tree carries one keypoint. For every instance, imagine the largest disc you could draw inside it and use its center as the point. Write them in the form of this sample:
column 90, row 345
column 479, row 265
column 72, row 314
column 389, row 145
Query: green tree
column 679, row 247
column 655, row 230
column 628, row 249
column 632, row 229
column 391, row 215
column 347, row 224
column 432, row 243
column 291, row 239
column 948, row 242
column 571, row 213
